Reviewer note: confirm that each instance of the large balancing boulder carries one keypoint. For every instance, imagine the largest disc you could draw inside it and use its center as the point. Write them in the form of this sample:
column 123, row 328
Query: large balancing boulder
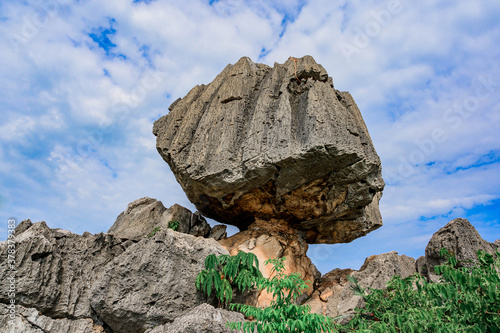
column 275, row 143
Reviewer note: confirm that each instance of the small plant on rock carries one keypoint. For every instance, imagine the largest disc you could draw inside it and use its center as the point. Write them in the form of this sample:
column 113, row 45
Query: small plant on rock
column 173, row 225
column 152, row 233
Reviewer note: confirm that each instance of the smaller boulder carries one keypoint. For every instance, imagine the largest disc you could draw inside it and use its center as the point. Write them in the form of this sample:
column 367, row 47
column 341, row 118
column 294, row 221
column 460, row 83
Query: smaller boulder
column 23, row 226
column 142, row 216
column 202, row 319
column 458, row 236
column 139, row 219
column 218, row 232
column 333, row 295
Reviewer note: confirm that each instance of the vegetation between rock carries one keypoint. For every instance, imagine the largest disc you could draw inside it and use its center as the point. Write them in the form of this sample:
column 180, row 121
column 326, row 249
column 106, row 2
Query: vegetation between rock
column 466, row 299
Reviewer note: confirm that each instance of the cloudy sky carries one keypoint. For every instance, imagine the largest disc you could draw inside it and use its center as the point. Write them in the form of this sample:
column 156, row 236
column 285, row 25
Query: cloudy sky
column 81, row 83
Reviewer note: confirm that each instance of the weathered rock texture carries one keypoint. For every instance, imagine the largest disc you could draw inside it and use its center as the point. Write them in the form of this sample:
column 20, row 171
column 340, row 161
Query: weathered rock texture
column 202, row 319
column 257, row 143
column 142, row 216
column 274, row 242
column 79, row 281
column 153, row 282
column 56, row 268
column 31, row 321
column 458, row 236
column 333, row 295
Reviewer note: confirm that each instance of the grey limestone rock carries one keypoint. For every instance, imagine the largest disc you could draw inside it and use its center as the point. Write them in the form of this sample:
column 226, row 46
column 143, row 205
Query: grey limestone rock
column 79, row 283
column 458, row 236
column 142, row 216
column 56, row 268
column 202, row 319
column 333, row 295
column 29, row 320
column 152, row 282
column 218, row 232
column 258, row 143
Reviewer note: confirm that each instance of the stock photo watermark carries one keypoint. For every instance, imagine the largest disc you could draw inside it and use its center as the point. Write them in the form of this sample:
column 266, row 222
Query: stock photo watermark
column 363, row 36
column 452, row 120
column 32, row 24
column 10, row 279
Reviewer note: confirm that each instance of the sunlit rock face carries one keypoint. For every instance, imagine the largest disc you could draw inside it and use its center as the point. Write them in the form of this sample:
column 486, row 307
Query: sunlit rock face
column 275, row 144
column 268, row 240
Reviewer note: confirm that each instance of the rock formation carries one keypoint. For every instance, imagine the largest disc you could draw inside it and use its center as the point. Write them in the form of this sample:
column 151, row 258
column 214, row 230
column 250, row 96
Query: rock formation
column 274, row 242
column 279, row 153
column 202, row 319
column 57, row 268
column 458, row 236
column 80, row 282
column 333, row 295
column 142, row 216
column 106, row 284
column 31, row 321
column 153, row 282
column 275, row 144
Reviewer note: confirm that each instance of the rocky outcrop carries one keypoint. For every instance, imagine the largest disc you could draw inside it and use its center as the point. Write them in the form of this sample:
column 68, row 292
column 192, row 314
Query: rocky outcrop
column 142, row 216
column 153, row 282
column 31, row 321
column 56, row 268
column 202, row 319
column 275, row 144
column 333, row 295
column 458, row 236
column 271, row 243
column 76, row 282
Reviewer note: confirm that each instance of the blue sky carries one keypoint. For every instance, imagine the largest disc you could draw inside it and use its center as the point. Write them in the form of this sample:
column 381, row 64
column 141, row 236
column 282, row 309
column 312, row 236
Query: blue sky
column 83, row 81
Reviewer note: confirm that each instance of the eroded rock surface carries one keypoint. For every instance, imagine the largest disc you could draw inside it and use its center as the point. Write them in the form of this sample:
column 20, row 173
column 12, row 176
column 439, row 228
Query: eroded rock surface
column 458, row 236
column 79, row 283
column 333, row 295
column 142, row 216
column 56, row 268
column 153, row 282
column 202, row 319
column 257, row 143
column 29, row 320
column 272, row 241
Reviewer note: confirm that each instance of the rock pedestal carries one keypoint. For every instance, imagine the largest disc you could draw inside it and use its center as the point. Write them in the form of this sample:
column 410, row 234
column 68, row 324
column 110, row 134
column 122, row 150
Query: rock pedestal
column 271, row 241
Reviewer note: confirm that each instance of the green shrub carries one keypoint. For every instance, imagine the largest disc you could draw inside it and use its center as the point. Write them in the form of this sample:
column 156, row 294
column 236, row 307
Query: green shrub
column 465, row 300
column 284, row 314
column 223, row 273
column 173, row 225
